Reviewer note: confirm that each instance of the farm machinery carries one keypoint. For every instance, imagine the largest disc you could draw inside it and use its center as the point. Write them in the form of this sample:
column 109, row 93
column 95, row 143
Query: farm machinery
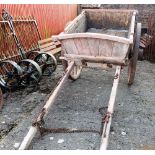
column 26, row 67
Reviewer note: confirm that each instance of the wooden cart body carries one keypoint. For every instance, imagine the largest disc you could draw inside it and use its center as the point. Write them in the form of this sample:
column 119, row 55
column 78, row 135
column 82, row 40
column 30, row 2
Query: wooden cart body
column 99, row 35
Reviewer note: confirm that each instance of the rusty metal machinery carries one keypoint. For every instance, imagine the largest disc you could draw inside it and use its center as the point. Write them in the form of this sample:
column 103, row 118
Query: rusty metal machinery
column 29, row 68
column 10, row 74
column 46, row 61
column 31, row 72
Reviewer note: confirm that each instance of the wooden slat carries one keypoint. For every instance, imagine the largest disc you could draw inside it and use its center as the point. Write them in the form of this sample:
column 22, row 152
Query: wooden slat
column 45, row 40
column 119, row 50
column 55, row 51
column 92, row 35
column 72, row 23
column 105, row 48
column 46, row 45
column 57, row 43
column 79, row 45
column 48, row 48
column 85, row 47
column 132, row 26
column 97, row 59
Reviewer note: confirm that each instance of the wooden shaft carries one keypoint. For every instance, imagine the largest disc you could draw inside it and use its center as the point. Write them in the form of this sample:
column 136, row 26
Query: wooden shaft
column 33, row 130
column 107, row 124
column 132, row 26
column 27, row 140
column 97, row 59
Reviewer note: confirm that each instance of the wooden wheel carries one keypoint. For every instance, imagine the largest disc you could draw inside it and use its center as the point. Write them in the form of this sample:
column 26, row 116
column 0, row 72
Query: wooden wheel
column 134, row 58
column 76, row 71
column 1, row 99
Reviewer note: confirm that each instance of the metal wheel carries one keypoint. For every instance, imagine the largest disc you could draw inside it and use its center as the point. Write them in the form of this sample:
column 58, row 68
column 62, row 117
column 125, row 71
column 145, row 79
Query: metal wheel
column 10, row 74
column 32, row 55
column 47, row 62
column 31, row 72
column 1, row 99
column 134, row 55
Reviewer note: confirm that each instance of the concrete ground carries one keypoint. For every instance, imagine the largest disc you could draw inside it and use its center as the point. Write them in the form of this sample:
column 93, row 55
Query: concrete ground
column 81, row 105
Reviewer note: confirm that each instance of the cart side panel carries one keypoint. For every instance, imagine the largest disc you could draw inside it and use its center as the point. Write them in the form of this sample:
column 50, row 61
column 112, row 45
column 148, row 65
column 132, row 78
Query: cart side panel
column 95, row 47
column 108, row 19
column 78, row 25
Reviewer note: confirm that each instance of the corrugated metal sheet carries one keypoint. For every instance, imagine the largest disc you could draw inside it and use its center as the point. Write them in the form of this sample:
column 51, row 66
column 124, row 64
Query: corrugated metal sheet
column 51, row 18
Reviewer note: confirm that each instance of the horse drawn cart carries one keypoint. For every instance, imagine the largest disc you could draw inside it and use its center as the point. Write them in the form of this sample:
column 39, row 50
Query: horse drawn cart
column 96, row 36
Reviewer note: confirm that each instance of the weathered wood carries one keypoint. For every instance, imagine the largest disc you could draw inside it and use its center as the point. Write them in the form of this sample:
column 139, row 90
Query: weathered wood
column 93, row 35
column 97, row 59
column 78, row 45
column 95, row 47
column 133, row 60
column 108, row 117
column 77, row 25
column 28, row 138
column 48, row 48
column 45, row 40
column 55, row 51
column 120, row 50
column 110, row 42
column 105, row 48
column 47, row 45
column 33, row 130
column 132, row 26
column 114, row 32
column 102, row 18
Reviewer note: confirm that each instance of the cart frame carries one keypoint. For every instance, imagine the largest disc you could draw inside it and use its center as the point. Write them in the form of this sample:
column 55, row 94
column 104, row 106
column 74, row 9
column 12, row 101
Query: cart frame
column 73, row 63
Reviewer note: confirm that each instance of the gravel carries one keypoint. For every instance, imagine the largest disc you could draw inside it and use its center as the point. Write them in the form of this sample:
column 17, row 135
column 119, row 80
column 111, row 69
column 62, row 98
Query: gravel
column 81, row 105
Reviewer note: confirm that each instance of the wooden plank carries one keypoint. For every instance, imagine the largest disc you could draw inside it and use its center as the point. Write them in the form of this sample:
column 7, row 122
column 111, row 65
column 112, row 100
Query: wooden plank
column 97, row 59
column 105, row 48
column 55, row 51
column 92, row 47
column 70, row 46
column 57, row 43
column 93, row 35
column 132, row 26
column 120, row 50
column 48, row 48
column 78, row 45
column 46, row 45
column 33, row 130
column 111, row 10
column 45, row 40
column 85, row 46
column 73, row 23
column 108, row 118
